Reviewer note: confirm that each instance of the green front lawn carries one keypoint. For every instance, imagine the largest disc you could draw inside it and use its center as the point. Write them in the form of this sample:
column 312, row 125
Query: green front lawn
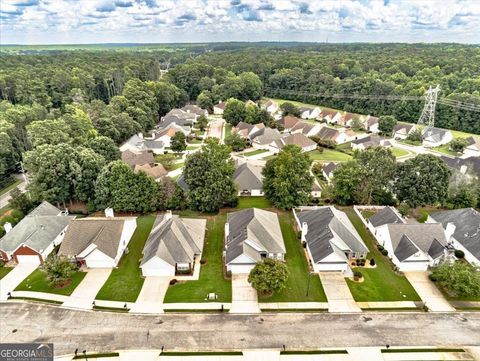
column 211, row 273
column 126, row 281
column 4, row 271
column 253, row 202
column 193, row 147
column 445, row 149
column 228, row 131
column 176, row 166
column 38, row 282
column 254, row 152
column 298, row 280
column 380, row 283
column 399, row 152
column 329, row 155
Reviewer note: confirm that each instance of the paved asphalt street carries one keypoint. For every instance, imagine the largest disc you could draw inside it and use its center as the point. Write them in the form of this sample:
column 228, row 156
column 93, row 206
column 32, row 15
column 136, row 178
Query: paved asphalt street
column 104, row 331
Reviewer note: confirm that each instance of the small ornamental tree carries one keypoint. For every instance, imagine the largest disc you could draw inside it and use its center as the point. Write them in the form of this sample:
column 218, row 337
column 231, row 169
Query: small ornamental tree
column 290, row 108
column 178, row 142
column 59, row 270
column 269, row 276
column 458, row 278
column 202, row 122
column 386, row 124
column 457, row 145
column 236, row 142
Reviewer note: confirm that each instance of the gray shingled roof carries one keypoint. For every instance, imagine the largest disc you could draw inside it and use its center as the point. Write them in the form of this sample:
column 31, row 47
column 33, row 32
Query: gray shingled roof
column 328, row 133
column 323, row 223
column 181, row 182
column 434, row 134
column 248, row 176
column 400, row 126
column 259, row 227
column 405, row 248
column 422, row 235
column 467, row 227
column 265, row 136
column 385, row 216
column 192, row 108
column 105, row 233
column 133, row 158
column 329, row 168
column 37, row 230
column 175, row 240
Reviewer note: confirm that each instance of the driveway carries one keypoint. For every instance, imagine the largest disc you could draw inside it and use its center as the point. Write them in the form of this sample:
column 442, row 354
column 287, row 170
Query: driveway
column 244, row 296
column 215, row 129
column 338, row 294
column 4, row 198
column 14, row 278
column 150, row 299
column 84, row 295
column 428, row 292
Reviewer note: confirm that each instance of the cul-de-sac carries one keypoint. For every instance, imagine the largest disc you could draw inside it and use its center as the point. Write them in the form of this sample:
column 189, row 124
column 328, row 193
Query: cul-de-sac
column 239, row 180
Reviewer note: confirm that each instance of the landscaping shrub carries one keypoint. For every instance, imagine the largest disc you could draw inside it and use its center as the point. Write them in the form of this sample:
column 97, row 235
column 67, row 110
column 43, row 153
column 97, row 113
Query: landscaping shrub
column 203, row 261
column 380, row 247
column 385, row 252
column 358, row 261
column 459, row 278
column 362, row 262
column 357, row 275
column 372, row 262
column 459, row 253
column 172, row 282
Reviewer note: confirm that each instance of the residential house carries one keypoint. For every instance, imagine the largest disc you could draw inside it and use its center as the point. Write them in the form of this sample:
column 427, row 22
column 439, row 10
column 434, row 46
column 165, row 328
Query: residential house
column 329, row 237
column 165, row 135
column 401, row 130
column 300, row 140
column 35, row 236
column 334, row 135
column 270, row 106
column 98, row 242
column 219, row 108
column 195, row 109
column 331, row 116
column 310, row 113
column 307, row 129
column 316, row 191
column 138, row 143
column 249, row 179
column 181, row 123
column 252, row 235
column 371, row 124
column 435, row 137
column 245, row 130
column 134, row 158
column 370, row 141
column 288, row 122
column 188, row 116
column 347, row 119
column 328, row 170
column 414, row 246
column 378, row 222
column 156, row 171
column 263, row 138
column 462, row 229
column 473, row 147
column 174, row 245
column 469, row 167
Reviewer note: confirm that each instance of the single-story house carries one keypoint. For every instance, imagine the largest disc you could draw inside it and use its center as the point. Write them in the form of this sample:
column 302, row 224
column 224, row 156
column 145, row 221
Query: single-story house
column 288, row 122
column 263, row 138
column 435, row 137
column 219, row 108
column 401, row 130
column 462, row 229
column 334, row 135
column 467, row 166
column 310, row 113
column 414, row 247
column 316, row 191
column 252, row 235
column 370, row 141
column 387, row 215
column 300, row 140
column 173, row 246
column 98, row 242
column 166, row 135
column 270, row 106
column 307, row 129
column 182, row 114
column 156, row 171
column 249, row 179
column 473, row 147
column 371, row 124
column 194, row 109
column 35, row 236
column 347, row 119
column 138, row 143
column 329, row 237
column 134, row 158
column 328, row 170
column 180, row 123
column 244, row 130
column 331, row 117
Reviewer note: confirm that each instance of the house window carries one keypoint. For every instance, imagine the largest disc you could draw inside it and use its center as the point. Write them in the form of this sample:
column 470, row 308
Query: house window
column 182, row 267
column 263, row 254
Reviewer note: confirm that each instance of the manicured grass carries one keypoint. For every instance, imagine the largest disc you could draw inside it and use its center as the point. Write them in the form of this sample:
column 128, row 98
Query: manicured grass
column 228, row 131
column 212, row 353
column 211, row 274
column 193, row 147
column 38, row 282
column 253, row 202
column 415, row 350
column 367, row 214
column 254, row 152
column 314, row 352
column 4, row 271
column 195, row 141
column 380, row 283
column 329, row 155
column 298, row 279
column 125, row 282
column 399, row 152
column 15, row 182
column 177, row 165
column 445, row 149
column 96, row 355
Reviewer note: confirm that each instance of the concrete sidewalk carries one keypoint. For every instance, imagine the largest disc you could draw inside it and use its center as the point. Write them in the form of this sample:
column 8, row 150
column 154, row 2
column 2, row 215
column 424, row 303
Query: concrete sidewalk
column 84, row 295
column 338, row 294
column 150, row 299
column 428, row 292
column 14, row 278
column 244, row 296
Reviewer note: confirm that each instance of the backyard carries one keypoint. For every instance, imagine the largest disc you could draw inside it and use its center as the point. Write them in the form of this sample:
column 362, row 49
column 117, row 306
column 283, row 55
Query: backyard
column 38, row 282
column 4, row 271
column 329, row 155
column 255, row 202
column 298, row 283
column 211, row 273
column 125, row 282
column 380, row 283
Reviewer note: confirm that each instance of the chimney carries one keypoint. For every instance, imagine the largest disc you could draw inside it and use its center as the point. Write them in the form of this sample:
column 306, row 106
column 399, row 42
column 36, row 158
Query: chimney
column 140, row 135
column 168, row 215
column 304, row 229
column 109, row 212
column 7, row 226
column 227, row 230
column 450, row 230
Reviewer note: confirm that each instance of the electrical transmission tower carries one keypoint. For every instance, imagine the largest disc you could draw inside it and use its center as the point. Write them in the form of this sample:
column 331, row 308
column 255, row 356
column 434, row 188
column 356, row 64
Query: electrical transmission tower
column 428, row 112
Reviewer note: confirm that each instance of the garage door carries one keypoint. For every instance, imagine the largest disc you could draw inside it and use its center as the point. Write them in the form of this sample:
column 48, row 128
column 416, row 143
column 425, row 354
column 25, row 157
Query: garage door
column 241, row 268
column 28, row 259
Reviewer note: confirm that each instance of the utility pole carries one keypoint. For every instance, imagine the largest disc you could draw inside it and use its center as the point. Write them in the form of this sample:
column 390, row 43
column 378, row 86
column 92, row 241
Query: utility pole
column 25, row 180
column 428, row 112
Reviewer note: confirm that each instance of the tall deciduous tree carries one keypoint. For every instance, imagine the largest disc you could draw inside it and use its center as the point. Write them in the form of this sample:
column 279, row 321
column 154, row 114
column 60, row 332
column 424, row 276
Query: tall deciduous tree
column 287, row 180
column 235, row 111
column 105, row 147
column 386, row 124
column 178, row 143
column 208, row 174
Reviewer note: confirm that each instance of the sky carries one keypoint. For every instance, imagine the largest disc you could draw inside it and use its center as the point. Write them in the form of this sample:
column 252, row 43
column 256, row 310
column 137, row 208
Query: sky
column 167, row 21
